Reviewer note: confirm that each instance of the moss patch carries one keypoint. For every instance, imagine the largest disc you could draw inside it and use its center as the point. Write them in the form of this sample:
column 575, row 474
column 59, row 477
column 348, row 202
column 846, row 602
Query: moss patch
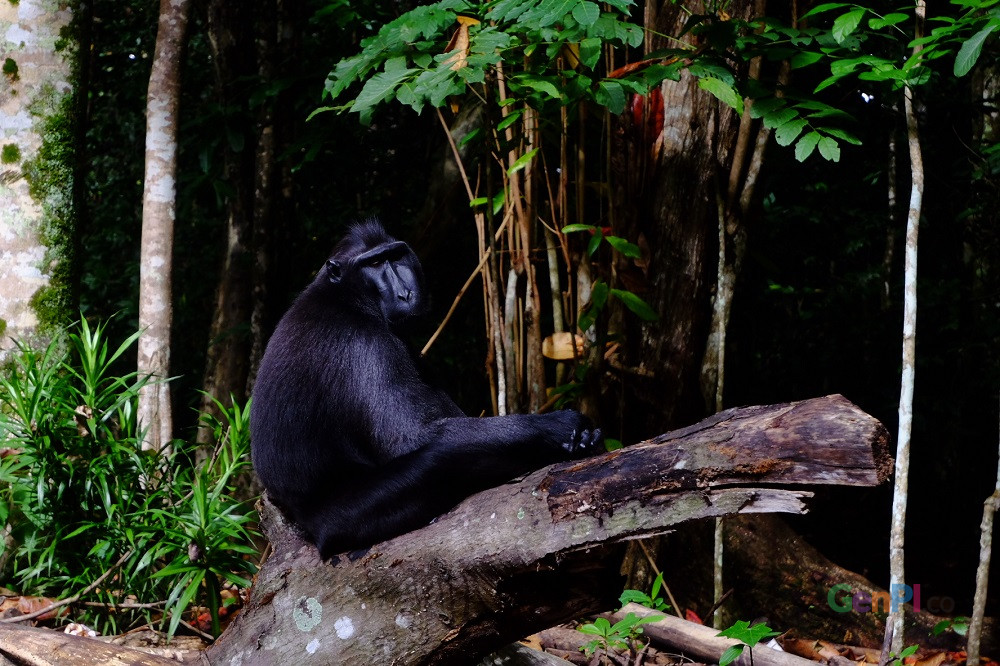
column 10, row 69
column 10, row 154
column 50, row 183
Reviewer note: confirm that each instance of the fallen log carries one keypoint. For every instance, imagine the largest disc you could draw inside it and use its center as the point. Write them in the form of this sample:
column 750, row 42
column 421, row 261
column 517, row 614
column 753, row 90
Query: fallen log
column 32, row 646
column 704, row 643
column 535, row 552
column 531, row 554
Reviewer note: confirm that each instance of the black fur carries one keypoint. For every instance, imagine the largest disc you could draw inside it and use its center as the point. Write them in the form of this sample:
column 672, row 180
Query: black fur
column 348, row 439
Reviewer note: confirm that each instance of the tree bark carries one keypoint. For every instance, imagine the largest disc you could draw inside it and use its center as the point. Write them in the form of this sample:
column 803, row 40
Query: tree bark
column 901, row 488
column 227, row 361
column 533, row 553
column 679, row 222
column 33, row 71
column 158, row 201
column 278, row 43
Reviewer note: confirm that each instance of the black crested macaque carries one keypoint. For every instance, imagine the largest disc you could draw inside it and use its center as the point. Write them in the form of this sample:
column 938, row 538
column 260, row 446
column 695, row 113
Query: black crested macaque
column 347, row 438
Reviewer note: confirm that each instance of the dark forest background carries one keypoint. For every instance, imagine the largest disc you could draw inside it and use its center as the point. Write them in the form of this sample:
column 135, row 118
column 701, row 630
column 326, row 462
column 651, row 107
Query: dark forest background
column 817, row 305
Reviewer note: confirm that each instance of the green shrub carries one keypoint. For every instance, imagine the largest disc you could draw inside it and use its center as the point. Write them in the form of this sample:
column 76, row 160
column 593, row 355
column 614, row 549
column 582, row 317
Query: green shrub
column 80, row 499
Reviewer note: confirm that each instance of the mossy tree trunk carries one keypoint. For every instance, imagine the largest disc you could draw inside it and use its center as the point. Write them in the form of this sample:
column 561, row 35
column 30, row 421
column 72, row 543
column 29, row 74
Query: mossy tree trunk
column 35, row 168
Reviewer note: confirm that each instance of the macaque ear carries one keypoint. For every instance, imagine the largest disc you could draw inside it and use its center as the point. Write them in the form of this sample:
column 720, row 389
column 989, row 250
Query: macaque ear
column 334, row 271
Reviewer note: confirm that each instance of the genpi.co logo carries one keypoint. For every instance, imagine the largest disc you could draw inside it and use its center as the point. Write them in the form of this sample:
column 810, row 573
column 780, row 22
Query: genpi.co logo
column 843, row 599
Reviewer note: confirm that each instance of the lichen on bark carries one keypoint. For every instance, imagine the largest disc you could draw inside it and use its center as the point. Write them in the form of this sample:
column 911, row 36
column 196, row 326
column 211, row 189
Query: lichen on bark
column 36, row 131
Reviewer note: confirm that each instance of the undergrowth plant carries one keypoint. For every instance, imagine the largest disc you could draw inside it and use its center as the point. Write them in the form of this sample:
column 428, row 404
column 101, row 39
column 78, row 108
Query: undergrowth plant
column 622, row 635
column 140, row 536
column 652, row 600
column 619, row 636
column 748, row 636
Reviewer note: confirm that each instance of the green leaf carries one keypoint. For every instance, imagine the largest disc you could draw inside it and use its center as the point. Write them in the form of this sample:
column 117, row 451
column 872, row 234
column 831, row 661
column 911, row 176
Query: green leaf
column 779, row 117
column 536, row 83
column 804, row 59
column 635, row 35
column 553, row 11
column 498, row 201
column 827, row 82
column 406, row 95
column 824, row 8
column 842, row 135
column 705, row 69
column 829, row 149
column 611, row 95
column 941, row 627
column 723, row 91
column 181, row 604
column 345, row 73
column 611, row 444
column 731, row 654
column 522, row 161
column 379, row 88
column 972, row 48
column 590, row 51
column 599, row 627
column 635, row 304
column 435, row 85
column 570, row 228
column 595, row 241
column 471, row 136
column 623, row 246
column 845, row 24
column 806, row 145
column 622, row 5
column 509, row 120
column 586, row 13
column 788, row 132
column 599, row 295
column 765, row 106
column 742, row 631
column 889, row 19
column 918, row 76
column 630, row 596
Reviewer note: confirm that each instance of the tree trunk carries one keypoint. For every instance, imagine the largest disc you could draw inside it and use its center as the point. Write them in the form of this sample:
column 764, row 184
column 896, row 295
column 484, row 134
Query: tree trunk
column 687, row 177
column 34, row 84
column 278, row 44
column 777, row 574
column 533, row 553
column 158, row 200
column 227, row 361
column 901, row 488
